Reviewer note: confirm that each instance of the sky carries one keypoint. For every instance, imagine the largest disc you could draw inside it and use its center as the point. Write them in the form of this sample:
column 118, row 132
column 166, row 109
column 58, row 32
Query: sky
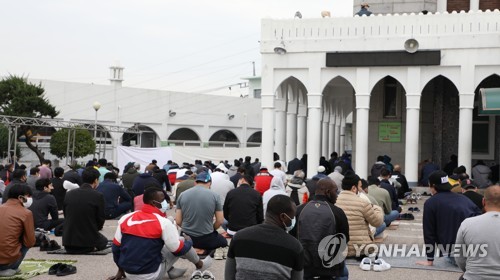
column 176, row 45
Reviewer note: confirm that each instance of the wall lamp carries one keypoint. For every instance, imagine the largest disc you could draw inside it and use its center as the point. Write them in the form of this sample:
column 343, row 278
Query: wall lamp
column 230, row 116
column 171, row 113
column 280, row 49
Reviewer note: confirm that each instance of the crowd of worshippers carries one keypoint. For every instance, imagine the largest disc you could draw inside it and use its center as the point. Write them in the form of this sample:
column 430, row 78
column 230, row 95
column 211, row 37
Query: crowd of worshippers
column 275, row 217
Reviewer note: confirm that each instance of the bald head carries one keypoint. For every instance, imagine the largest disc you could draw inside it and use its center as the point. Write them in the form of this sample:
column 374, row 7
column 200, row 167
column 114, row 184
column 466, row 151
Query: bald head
column 397, row 168
column 492, row 198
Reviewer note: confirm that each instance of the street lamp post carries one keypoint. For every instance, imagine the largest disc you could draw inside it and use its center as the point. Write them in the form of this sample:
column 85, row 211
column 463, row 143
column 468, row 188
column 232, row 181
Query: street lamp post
column 96, row 106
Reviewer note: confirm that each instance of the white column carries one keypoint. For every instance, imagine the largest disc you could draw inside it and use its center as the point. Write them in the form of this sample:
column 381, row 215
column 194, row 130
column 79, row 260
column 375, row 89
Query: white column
column 291, row 136
column 280, row 133
column 337, row 133
column 411, row 145
column 324, row 139
column 267, row 146
column 466, row 96
column 280, row 126
column 313, row 138
column 442, row 6
column 362, row 121
column 267, row 104
column 301, row 131
column 331, row 138
column 474, row 5
column 342, row 135
column 465, row 136
column 412, row 126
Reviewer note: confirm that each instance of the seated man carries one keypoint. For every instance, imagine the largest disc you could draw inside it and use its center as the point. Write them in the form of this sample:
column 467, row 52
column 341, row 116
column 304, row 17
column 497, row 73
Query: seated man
column 44, row 204
column 267, row 251
column 383, row 199
column 360, row 214
column 152, row 255
column 17, row 232
column 243, row 206
column 479, row 231
column 195, row 212
column 116, row 199
column 84, row 216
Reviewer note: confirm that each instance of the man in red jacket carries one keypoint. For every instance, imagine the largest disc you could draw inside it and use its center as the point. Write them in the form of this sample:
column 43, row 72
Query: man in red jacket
column 263, row 180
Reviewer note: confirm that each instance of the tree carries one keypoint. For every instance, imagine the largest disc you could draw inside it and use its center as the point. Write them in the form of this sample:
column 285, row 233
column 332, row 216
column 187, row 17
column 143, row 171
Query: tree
column 24, row 99
column 84, row 144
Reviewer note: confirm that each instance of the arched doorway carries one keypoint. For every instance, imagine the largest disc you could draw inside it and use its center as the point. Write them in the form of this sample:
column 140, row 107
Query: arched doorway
column 146, row 138
column 255, row 139
column 184, row 137
column 224, row 138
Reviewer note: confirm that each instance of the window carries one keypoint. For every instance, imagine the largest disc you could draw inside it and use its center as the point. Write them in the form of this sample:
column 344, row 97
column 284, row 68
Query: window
column 390, row 98
column 483, row 136
column 256, row 93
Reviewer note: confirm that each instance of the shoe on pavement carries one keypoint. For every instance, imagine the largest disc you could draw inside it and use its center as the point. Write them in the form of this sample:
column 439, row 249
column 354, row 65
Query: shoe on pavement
column 65, row 269
column 366, row 264
column 7, row 272
column 381, row 265
column 208, row 275
column 219, row 254
column 176, row 272
column 207, row 262
column 224, row 250
column 196, row 275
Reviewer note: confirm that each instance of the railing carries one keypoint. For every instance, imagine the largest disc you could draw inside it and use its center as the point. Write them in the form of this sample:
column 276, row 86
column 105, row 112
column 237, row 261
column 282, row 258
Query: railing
column 382, row 26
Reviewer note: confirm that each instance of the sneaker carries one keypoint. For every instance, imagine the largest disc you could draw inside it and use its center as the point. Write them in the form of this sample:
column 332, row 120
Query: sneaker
column 381, row 265
column 366, row 264
column 7, row 272
column 196, row 275
column 224, row 250
column 219, row 254
column 207, row 262
column 208, row 275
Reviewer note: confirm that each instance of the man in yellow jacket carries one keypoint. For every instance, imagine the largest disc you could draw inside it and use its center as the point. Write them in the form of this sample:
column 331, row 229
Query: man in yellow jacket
column 360, row 214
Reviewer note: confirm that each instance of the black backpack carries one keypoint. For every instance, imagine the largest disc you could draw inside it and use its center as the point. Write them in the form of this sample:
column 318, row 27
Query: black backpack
column 313, row 225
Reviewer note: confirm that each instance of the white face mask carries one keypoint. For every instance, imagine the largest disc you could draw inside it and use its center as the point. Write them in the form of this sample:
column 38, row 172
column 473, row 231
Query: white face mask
column 290, row 227
column 29, row 201
column 164, row 206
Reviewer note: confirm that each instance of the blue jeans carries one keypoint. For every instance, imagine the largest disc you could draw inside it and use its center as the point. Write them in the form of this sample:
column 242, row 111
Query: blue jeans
column 380, row 229
column 344, row 275
column 391, row 217
column 17, row 263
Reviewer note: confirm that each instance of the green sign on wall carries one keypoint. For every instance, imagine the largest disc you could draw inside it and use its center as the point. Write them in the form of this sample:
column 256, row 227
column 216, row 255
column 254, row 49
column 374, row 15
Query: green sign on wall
column 389, row 132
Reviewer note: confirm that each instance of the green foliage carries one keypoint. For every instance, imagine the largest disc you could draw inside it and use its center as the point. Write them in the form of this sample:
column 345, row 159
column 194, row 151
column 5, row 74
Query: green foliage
column 24, row 99
column 84, row 144
column 4, row 142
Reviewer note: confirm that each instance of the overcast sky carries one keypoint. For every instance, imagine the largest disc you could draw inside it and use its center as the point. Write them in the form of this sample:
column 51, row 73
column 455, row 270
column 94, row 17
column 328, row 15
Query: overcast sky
column 181, row 45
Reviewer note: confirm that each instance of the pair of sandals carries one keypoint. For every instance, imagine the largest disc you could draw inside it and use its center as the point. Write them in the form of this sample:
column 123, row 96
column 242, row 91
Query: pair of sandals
column 62, row 269
column 206, row 275
column 48, row 246
column 406, row 216
column 414, row 209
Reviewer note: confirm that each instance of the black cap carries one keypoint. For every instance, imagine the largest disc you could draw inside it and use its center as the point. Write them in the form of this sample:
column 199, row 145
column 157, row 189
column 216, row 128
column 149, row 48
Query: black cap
column 439, row 179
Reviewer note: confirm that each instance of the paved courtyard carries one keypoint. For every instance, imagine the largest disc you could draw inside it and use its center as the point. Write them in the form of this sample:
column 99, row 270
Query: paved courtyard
column 408, row 232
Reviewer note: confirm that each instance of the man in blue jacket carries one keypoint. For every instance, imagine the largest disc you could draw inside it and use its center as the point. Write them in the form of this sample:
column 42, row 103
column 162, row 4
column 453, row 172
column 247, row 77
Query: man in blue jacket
column 443, row 214
column 117, row 200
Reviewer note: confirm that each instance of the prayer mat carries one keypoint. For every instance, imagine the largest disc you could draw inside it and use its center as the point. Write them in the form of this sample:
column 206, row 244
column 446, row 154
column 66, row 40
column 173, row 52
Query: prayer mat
column 63, row 251
column 440, row 264
column 31, row 268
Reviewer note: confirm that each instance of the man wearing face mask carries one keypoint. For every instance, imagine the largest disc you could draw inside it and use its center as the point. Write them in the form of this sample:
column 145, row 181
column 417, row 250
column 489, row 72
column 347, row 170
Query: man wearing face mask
column 151, row 255
column 267, row 251
column 360, row 214
column 316, row 220
column 84, row 216
column 17, row 232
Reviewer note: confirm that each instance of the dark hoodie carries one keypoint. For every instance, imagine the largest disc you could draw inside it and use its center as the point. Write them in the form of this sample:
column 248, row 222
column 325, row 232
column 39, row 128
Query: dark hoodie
column 142, row 181
column 129, row 177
